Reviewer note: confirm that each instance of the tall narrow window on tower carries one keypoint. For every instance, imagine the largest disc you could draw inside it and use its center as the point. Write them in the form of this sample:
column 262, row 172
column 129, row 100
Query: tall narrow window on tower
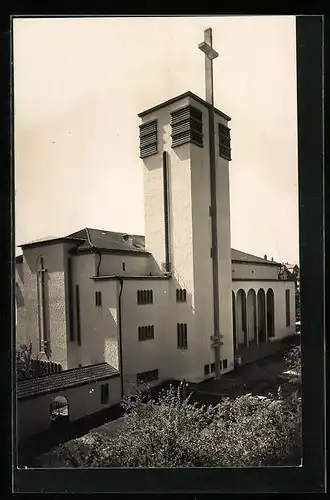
column 187, row 126
column 148, row 139
column 224, row 142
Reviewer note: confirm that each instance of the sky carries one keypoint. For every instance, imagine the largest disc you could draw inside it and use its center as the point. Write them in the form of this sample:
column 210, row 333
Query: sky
column 79, row 84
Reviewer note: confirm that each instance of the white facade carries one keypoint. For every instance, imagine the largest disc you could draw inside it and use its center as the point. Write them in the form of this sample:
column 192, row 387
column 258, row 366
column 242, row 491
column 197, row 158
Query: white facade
column 82, row 332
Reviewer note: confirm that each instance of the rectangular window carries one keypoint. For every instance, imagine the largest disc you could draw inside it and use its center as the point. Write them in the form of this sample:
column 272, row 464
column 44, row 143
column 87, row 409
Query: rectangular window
column 146, row 332
column 124, row 266
column 182, row 335
column 145, row 297
column 181, row 295
column 145, row 377
column 98, row 299
column 212, row 367
column 225, row 364
column 206, row 369
column 78, row 315
column 287, row 307
column 70, row 299
column 104, row 394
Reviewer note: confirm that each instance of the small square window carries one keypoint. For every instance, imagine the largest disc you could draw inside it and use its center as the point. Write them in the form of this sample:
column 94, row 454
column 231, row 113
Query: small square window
column 225, row 364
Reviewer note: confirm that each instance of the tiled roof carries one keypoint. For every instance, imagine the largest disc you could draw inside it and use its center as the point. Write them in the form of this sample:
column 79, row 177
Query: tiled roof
column 239, row 256
column 64, row 380
column 109, row 240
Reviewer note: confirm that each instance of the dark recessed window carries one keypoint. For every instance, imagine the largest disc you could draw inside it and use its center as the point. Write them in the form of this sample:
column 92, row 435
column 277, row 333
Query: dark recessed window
column 181, row 295
column 287, row 307
column 145, row 296
column 148, row 139
column 146, row 332
column 182, row 336
column 224, row 142
column 124, row 266
column 212, row 367
column 187, row 126
column 104, row 394
column 225, row 364
column 98, row 299
column 206, row 369
column 145, row 377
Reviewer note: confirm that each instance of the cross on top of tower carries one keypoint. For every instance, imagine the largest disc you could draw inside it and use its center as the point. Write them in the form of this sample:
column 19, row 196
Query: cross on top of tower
column 206, row 46
column 210, row 54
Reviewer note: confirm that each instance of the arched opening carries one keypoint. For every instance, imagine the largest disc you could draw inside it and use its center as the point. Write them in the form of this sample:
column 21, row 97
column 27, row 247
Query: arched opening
column 252, row 317
column 234, row 319
column 241, row 328
column 261, row 316
column 59, row 410
column 270, row 313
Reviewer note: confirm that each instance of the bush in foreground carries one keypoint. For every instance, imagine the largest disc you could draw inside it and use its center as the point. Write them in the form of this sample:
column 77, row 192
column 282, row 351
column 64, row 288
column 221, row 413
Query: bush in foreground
column 172, row 432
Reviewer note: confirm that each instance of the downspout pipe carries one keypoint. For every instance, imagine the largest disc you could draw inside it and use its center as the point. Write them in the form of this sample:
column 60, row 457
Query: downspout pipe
column 214, row 223
column 121, row 283
column 96, row 250
column 166, row 213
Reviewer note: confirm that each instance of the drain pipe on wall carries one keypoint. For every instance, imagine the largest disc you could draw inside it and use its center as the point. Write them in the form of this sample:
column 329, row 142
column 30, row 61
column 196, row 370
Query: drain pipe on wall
column 121, row 282
column 96, row 250
column 166, row 214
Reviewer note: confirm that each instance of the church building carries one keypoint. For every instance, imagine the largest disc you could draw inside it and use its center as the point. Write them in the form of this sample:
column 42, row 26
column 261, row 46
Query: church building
column 145, row 305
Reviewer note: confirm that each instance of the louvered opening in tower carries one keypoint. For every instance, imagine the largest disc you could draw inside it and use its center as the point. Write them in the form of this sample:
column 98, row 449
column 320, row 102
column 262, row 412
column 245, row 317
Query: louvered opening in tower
column 148, row 139
column 187, row 126
column 224, row 142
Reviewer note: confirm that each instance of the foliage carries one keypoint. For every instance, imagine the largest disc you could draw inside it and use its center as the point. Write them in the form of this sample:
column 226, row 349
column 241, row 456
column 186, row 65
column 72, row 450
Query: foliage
column 172, row 432
column 24, row 367
column 293, row 360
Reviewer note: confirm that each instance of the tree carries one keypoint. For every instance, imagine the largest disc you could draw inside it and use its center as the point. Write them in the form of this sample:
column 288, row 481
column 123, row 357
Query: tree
column 24, row 367
column 27, row 366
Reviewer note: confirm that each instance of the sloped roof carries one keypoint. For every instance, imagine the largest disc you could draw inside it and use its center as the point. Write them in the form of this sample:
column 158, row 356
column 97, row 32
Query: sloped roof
column 64, row 380
column 238, row 256
column 108, row 240
column 89, row 238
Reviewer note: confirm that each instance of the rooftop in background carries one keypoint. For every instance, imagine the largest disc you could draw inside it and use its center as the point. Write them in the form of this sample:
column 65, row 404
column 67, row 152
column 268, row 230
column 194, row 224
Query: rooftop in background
column 238, row 256
column 64, row 380
column 178, row 98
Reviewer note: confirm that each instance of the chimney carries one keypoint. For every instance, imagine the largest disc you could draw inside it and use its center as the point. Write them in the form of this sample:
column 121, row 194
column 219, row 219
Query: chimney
column 128, row 238
column 272, row 259
column 265, row 257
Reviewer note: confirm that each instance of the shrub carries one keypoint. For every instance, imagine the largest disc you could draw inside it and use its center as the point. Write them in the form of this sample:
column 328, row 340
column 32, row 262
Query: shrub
column 172, row 432
column 293, row 360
